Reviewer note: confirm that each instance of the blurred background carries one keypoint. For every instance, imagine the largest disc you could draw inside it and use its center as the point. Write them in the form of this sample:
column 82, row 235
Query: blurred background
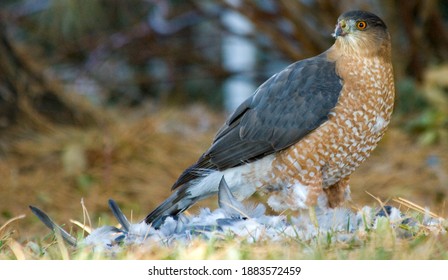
column 114, row 98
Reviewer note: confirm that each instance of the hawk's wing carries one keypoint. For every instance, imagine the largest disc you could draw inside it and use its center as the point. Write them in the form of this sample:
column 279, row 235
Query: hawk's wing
column 284, row 109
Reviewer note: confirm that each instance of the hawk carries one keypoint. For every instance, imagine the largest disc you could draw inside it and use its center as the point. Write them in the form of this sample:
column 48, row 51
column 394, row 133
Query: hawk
column 304, row 131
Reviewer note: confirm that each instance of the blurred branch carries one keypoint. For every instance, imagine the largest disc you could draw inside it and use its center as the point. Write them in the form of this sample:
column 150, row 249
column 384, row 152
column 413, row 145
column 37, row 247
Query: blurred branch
column 152, row 48
column 29, row 96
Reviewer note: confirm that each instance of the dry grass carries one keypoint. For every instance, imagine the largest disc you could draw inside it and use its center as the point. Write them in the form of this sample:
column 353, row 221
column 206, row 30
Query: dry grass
column 380, row 243
column 137, row 158
column 134, row 161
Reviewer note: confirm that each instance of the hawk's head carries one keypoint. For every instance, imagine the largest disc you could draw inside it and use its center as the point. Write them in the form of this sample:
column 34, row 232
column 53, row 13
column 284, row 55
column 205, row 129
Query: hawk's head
column 360, row 31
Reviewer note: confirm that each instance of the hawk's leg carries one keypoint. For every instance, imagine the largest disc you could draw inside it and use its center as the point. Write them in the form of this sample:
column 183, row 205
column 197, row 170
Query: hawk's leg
column 338, row 193
column 313, row 216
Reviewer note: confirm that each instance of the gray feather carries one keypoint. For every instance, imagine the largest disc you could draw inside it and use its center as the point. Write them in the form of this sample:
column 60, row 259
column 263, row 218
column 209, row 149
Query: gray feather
column 53, row 226
column 228, row 202
column 124, row 222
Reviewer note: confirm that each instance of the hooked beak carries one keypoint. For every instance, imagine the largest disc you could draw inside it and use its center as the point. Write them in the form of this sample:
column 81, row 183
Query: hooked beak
column 341, row 29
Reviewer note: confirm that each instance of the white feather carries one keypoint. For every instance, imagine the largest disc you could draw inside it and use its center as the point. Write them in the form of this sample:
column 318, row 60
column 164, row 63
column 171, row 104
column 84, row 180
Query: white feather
column 242, row 180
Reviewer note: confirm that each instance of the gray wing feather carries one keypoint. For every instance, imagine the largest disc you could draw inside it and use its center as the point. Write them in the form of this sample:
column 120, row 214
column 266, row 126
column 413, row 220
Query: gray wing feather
column 282, row 111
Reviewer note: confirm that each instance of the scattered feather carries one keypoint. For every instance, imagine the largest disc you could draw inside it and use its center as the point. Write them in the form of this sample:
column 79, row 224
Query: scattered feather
column 249, row 223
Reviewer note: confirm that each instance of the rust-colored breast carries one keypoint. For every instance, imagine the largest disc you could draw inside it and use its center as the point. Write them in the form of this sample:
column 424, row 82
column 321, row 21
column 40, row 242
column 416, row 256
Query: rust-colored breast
column 334, row 150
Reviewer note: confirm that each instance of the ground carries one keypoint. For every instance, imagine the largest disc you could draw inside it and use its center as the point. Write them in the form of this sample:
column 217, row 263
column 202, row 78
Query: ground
column 136, row 159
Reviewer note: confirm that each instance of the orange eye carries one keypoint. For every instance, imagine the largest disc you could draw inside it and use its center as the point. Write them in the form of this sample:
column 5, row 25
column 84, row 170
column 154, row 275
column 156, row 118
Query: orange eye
column 361, row 25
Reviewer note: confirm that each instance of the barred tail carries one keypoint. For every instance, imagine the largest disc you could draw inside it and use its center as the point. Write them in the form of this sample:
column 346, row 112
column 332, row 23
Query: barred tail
column 184, row 196
column 178, row 202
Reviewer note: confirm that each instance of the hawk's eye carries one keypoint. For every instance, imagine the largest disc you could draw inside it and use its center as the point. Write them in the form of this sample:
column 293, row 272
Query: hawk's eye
column 361, row 25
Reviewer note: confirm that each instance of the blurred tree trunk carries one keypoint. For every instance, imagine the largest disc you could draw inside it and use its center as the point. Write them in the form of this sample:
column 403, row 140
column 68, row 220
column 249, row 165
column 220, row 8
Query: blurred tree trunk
column 28, row 97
